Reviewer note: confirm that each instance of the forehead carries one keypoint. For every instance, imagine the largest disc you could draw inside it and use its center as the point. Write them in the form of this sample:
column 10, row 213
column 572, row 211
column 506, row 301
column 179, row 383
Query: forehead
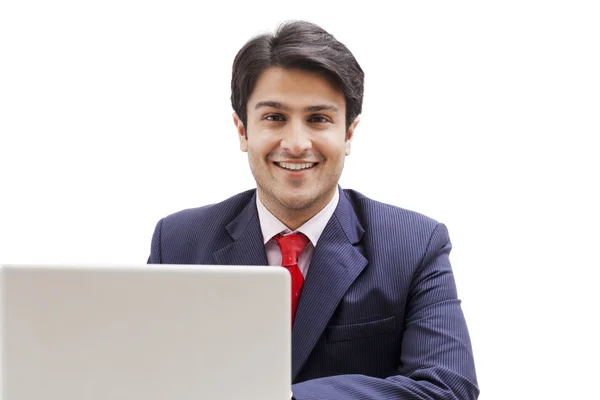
column 296, row 88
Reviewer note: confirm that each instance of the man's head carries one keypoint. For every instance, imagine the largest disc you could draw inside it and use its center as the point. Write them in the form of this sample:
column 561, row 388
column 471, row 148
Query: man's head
column 297, row 96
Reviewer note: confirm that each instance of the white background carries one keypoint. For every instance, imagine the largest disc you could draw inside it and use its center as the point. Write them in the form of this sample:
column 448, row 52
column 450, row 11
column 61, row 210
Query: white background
column 483, row 115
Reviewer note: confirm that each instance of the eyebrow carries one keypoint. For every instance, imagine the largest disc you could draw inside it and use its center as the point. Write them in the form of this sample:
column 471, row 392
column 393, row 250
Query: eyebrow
column 278, row 105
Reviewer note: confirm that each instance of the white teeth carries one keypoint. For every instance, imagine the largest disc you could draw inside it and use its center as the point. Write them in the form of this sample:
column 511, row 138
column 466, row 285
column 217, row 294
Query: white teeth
column 295, row 167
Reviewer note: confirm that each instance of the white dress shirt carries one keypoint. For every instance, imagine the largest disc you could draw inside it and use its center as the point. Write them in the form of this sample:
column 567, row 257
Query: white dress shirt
column 313, row 228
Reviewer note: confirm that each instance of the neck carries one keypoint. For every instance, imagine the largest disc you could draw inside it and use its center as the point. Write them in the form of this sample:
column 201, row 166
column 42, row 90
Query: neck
column 294, row 218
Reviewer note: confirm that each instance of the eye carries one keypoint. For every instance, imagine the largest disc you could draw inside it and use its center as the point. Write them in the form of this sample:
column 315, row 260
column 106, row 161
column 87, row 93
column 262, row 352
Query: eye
column 319, row 119
column 273, row 117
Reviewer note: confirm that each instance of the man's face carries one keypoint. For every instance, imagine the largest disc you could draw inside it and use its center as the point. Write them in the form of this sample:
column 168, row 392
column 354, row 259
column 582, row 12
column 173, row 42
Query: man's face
column 296, row 140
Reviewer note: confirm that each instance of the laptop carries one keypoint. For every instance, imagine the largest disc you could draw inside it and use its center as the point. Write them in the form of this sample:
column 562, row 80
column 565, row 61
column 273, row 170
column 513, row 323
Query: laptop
column 146, row 332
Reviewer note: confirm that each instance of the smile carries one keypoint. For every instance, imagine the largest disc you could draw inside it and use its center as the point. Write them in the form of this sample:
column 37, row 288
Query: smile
column 295, row 166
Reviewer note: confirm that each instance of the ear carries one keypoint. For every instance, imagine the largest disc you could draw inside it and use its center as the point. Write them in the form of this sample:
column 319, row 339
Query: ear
column 350, row 134
column 241, row 130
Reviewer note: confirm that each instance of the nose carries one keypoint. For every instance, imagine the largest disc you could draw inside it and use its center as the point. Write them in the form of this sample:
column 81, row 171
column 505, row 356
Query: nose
column 296, row 139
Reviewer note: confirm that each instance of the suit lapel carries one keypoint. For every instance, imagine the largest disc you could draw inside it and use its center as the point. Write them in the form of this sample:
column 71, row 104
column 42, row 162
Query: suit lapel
column 335, row 264
column 247, row 247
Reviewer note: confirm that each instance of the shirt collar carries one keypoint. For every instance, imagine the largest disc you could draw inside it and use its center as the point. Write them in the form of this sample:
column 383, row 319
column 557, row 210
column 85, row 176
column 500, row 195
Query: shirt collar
column 313, row 228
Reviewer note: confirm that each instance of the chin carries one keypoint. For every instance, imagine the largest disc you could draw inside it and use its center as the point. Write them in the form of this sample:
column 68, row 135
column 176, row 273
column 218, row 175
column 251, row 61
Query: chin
column 297, row 202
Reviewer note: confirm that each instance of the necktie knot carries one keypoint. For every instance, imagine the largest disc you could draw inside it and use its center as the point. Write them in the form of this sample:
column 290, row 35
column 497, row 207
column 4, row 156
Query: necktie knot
column 291, row 247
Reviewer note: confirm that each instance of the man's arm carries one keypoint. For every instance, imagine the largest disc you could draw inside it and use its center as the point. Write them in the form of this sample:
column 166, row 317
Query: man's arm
column 436, row 361
column 155, row 256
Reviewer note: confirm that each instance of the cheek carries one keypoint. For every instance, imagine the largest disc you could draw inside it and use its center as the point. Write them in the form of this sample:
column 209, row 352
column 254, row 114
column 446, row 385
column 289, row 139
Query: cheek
column 258, row 143
column 333, row 150
column 331, row 143
column 260, row 153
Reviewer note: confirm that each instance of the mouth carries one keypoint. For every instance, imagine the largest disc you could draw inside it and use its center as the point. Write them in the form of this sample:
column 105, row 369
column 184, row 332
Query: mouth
column 296, row 167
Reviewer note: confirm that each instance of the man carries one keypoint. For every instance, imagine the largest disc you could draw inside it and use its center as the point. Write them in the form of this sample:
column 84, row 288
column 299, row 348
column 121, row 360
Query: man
column 374, row 298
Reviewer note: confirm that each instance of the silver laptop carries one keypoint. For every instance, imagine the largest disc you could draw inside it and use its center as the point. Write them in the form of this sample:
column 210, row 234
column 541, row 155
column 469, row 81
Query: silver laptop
column 145, row 332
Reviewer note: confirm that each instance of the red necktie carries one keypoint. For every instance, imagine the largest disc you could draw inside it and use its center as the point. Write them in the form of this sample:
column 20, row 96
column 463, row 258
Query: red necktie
column 291, row 247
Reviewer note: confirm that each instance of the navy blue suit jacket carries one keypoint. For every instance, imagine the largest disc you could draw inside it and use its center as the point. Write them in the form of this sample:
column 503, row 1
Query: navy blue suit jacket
column 379, row 316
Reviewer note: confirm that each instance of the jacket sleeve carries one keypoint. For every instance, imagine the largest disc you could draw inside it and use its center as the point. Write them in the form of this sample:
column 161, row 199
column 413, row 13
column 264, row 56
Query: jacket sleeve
column 155, row 246
column 436, row 360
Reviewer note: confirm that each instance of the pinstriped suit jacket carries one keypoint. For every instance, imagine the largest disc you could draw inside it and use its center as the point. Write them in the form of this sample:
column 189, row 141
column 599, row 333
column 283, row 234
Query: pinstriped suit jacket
column 379, row 316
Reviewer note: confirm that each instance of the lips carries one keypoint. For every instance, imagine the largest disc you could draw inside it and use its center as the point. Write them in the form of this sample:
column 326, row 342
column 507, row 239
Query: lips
column 296, row 167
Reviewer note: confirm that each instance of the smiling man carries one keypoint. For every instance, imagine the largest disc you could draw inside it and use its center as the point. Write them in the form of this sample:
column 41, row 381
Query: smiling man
column 374, row 302
column 296, row 137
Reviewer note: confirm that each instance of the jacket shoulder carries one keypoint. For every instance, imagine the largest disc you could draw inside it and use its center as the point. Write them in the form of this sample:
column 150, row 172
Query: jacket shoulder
column 395, row 227
column 370, row 211
column 402, row 240
column 191, row 235
column 218, row 214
